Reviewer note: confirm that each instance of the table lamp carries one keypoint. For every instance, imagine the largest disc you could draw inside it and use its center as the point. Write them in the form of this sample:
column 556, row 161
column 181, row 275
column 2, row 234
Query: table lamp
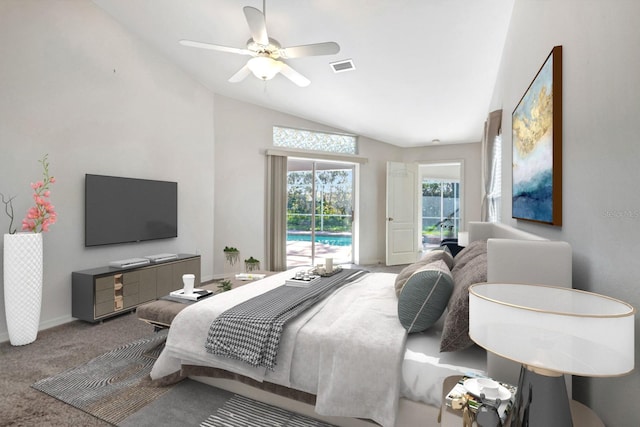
column 551, row 331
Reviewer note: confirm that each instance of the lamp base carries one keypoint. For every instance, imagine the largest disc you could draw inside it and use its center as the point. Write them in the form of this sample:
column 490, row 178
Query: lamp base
column 541, row 400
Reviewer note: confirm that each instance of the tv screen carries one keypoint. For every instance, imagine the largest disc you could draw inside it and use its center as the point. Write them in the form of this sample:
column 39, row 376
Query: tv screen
column 122, row 210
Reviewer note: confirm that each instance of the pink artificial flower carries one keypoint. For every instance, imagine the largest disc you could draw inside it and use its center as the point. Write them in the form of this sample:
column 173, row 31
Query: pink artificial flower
column 40, row 217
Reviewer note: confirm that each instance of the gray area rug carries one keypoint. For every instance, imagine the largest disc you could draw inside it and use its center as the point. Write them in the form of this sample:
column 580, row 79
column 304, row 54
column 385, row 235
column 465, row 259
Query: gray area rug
column 242, row 411
column 190, row 403
column 111, row 386
column 115, row 388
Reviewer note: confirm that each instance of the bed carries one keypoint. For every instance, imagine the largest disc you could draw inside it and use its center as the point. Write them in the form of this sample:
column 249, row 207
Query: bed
column 348, row 359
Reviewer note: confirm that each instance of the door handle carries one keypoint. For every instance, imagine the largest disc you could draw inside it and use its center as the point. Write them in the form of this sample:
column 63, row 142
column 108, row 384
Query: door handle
column 389, row 219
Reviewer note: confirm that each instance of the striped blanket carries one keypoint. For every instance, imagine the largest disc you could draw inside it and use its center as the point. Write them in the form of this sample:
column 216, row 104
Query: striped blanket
column 251, row 331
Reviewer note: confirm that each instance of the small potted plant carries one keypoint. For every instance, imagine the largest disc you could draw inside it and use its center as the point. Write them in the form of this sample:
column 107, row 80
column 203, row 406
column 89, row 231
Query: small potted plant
column 251, row 264
column 232, row 260
column 231, row 254
column 225, row 286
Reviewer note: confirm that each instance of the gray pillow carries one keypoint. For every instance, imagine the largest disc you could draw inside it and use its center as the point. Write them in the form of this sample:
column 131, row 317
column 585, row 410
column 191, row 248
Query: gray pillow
column 424, row 296
column 428, row 258
column 474, row 249
column 455, row 333
column 440, row 253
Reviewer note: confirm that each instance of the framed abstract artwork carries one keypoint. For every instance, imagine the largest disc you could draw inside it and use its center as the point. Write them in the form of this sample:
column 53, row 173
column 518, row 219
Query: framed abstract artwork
column 537, row 146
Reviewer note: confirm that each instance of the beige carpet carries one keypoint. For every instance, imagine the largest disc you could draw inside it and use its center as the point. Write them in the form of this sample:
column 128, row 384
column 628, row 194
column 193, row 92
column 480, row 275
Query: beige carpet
column 114, row 385
column 56, row 350
column 59, row 349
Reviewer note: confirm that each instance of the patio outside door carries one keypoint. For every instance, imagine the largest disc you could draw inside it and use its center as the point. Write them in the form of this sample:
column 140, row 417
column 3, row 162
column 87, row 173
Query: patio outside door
column 319, row 212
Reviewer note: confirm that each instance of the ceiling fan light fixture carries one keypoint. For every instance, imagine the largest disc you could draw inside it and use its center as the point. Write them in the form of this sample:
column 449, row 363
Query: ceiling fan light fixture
column 264, row 67
column 266, row 51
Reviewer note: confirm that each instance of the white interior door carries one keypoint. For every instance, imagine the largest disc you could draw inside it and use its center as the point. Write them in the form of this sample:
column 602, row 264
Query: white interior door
column 403, row 220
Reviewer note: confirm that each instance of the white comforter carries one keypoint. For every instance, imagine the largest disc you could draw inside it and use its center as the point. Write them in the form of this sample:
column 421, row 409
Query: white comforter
column 347, row 350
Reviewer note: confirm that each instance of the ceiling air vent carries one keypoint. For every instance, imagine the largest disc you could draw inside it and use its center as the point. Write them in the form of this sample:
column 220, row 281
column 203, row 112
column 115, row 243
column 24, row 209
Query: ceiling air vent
column 340, row 66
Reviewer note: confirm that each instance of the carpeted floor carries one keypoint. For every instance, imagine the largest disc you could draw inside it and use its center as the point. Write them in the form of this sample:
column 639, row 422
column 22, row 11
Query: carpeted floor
column 114, row 385
column 56, row 350
column 190, row 403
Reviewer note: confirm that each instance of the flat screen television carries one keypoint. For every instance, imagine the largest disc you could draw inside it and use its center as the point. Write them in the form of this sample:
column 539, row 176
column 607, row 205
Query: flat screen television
column 123, row 210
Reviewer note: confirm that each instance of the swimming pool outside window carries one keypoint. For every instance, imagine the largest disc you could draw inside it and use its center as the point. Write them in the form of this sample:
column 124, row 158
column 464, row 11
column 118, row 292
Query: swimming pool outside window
column 319, row 211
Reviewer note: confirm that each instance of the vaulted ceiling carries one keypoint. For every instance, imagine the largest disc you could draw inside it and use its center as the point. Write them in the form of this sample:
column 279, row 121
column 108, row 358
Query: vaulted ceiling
column 424, row 69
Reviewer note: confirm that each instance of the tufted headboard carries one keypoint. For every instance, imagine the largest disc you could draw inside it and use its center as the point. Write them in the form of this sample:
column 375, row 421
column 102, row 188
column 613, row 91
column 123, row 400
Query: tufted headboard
column 516, row 256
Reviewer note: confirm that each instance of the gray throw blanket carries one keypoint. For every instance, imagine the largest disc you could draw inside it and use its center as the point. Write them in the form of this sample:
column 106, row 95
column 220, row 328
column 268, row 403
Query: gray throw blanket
column 251, row 331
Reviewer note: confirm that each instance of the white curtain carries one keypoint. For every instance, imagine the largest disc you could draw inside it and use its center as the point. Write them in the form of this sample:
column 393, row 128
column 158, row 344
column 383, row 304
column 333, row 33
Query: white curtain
column 276, row 217
column 492, row 167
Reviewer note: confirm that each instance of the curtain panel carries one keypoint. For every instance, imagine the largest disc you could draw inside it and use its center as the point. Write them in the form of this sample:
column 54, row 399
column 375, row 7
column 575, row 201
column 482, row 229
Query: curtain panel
column 276, row 213
column 491, row 192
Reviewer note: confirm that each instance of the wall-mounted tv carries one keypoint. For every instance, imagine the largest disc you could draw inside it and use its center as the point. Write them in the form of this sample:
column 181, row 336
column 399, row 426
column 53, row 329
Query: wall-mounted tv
column 122, row 210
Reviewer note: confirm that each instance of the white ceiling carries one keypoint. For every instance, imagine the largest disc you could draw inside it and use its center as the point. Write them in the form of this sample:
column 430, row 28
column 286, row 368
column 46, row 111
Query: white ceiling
column 425, row 69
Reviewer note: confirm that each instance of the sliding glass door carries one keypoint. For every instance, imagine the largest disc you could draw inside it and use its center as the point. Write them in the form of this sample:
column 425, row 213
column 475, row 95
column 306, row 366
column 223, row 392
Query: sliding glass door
column 320, row 198
column 441, row 213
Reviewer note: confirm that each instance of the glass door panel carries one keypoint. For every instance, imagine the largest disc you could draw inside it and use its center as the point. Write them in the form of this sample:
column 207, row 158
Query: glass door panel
column 300, row 207
column 319, row 212
column 441, row 213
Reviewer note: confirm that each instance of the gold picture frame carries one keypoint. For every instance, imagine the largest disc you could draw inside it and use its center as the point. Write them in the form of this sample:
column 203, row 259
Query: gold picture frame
column 537, row 146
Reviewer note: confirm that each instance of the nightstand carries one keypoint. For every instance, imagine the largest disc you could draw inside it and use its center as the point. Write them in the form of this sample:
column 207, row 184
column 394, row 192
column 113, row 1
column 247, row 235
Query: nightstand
column 582, row 415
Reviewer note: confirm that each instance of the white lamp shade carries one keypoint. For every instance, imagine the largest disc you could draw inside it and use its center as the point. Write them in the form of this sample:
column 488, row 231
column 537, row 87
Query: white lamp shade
column 264, row 67
column 557, row 329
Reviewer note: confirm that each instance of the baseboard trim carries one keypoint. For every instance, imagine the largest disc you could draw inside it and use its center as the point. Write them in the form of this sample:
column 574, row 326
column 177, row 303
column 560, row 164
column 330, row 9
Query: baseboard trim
column 4, row 335
column 207, row 278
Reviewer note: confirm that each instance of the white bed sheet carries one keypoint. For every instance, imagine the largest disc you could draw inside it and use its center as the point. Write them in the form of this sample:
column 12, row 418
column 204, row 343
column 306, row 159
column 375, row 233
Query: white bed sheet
column 424, row 367
column 339, row 342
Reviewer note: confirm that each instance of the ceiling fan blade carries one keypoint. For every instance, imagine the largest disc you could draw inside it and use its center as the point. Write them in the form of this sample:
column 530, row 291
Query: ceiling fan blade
column 240, row 75
column 294, row 76
column 257, row 25
column 219, row 48
column 316, row 49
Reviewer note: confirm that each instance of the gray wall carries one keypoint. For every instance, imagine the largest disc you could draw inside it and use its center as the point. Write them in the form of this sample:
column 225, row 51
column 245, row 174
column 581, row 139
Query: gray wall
column 601, row 202
column 469, row 155
column 75, row 85
column 244, row 131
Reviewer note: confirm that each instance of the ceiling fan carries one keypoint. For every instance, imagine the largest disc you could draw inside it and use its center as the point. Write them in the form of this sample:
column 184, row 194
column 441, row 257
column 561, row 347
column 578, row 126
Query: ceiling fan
column 267, row 54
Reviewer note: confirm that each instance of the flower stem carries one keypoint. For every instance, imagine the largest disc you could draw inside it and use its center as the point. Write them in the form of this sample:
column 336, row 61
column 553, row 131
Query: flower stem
column 8, row 208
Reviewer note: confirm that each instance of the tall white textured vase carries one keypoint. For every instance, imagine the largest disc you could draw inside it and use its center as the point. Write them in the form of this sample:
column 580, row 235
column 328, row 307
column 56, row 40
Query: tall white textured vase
column 23, row 285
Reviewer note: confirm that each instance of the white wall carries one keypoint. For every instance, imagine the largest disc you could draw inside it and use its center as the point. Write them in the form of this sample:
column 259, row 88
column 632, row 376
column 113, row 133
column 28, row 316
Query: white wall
column 101, row 101
column 442, row 171
column 75, row 85
column 243, row 132
column 470, row 155
column 601, row 202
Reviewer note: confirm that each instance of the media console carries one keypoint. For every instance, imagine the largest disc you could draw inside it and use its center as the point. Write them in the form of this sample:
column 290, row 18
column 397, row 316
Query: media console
column 103, row 292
